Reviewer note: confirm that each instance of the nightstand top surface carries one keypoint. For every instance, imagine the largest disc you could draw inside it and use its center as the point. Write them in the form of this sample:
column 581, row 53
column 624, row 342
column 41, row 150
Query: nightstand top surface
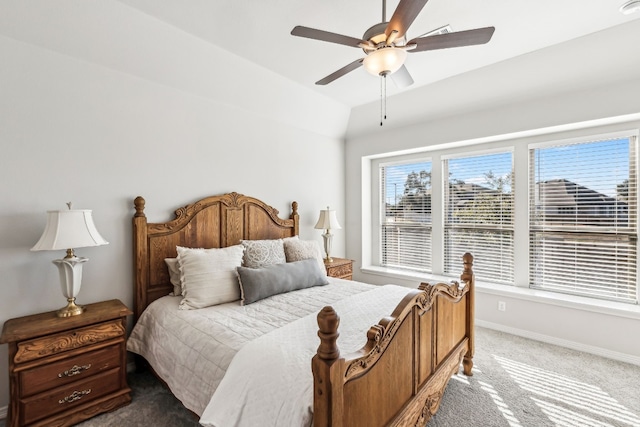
column 26, row 327
column 338, row 261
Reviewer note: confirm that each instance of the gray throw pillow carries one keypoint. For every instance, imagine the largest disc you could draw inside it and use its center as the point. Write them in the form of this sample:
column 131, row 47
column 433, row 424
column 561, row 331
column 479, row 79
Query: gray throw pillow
column 260, row 283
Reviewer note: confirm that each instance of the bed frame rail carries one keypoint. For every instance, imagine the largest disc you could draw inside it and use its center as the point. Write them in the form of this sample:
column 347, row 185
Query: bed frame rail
column 399, row 377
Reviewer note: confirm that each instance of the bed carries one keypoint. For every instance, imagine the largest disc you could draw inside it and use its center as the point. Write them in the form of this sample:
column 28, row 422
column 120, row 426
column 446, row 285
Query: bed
column 391, row 371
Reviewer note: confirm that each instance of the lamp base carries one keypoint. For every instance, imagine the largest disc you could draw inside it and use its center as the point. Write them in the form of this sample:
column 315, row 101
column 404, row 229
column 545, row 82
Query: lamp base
column 327, row 236
column 70, row 270
column 71, row 309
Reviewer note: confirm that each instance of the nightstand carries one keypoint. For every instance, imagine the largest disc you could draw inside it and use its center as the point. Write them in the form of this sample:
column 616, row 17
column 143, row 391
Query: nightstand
column 340, row 268
column 63, row 370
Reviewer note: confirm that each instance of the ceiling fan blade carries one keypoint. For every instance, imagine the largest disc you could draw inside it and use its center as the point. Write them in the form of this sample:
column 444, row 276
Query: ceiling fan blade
column 402, row 78
column 456, row 39
column 326, row 36
column 404, row 15
column 341, row 72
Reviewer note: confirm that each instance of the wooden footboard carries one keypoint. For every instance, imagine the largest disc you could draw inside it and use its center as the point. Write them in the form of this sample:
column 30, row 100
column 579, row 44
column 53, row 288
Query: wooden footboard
column 399, row 377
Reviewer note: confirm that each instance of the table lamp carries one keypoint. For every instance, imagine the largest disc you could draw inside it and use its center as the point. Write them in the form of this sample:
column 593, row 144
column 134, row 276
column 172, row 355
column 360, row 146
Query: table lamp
column 327, row 222
column 68, row 229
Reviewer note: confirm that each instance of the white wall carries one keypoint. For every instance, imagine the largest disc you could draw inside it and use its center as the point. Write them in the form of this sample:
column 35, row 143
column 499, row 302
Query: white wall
column 493, row 114
column 99, row 130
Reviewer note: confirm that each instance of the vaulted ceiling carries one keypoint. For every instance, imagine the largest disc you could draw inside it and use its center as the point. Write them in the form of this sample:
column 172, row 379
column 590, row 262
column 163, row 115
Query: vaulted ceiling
column 241, row 54
column 260, row 32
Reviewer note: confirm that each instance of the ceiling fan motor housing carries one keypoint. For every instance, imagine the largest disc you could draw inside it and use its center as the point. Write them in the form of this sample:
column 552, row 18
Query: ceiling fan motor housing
column 376, row 35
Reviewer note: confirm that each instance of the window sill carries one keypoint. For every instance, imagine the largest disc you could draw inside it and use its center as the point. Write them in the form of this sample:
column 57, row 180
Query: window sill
column 612, row 308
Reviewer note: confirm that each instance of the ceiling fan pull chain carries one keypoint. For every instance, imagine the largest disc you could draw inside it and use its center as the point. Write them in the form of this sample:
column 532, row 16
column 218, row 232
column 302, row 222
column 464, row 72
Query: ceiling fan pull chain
column 381, row 100
column 385, row 97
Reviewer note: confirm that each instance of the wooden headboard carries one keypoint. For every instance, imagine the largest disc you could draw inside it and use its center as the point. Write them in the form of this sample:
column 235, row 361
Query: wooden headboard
column 213, row 222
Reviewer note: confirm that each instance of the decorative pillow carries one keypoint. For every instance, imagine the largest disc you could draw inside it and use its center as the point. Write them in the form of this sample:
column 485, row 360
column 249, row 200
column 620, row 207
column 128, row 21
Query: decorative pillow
column 261, row 253
column 208, row 276
column 174, row 275
column 297, row 250
column 260, row 283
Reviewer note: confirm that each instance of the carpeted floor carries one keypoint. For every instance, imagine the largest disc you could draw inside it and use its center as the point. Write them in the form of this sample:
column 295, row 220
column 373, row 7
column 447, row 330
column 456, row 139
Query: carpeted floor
column 516, row 382
column 520, row 382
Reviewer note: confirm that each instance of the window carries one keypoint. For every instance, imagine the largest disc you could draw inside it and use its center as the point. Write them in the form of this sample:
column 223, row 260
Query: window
column 405, row 225
column 583, row 218
column 559, row 216
column 479, row 214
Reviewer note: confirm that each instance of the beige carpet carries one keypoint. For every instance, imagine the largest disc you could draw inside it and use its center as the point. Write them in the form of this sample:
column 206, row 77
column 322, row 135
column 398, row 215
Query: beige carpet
column 516, row 382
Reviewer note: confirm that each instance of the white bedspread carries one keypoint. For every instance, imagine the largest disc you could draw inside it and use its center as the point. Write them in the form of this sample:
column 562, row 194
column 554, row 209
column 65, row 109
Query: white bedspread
column 269, row 382
column 192, row 349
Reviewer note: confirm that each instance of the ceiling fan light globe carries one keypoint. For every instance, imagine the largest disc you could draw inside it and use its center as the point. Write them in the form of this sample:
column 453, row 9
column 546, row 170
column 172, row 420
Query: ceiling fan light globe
column 630, row 7
column 386, row 60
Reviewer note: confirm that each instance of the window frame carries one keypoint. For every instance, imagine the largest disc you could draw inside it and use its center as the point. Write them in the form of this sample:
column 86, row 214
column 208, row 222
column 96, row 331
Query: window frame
column 630, row 232
column 378, row 219
column 446, row 158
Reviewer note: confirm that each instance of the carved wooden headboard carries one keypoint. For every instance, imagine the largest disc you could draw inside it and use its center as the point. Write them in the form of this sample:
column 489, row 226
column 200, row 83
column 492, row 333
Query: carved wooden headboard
column 213, row 222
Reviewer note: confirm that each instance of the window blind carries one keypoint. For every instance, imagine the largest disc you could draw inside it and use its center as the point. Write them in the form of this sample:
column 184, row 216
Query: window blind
column 583, row 218
column 405, row 226
column 479, row 214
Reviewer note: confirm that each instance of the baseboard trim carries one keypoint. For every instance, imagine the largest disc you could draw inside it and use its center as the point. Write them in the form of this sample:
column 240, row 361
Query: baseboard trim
column 598, row 351
column 3, row 412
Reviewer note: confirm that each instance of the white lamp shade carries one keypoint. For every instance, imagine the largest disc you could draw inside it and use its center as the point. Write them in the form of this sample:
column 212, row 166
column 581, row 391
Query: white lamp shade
column 67, row 230
column 386, row 60
column 327, row 220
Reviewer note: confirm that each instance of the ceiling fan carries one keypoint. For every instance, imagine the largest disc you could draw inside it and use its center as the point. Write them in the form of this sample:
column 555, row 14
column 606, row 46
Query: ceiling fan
column 385, row 44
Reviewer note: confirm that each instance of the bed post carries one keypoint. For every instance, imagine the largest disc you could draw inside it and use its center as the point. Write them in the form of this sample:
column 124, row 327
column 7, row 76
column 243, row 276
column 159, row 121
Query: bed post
column 468, row 278
column 327, row 372
column 295, row 217
column 140, row 254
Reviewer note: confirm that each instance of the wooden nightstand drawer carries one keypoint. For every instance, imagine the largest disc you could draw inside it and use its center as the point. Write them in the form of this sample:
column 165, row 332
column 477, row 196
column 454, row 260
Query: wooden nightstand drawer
column 57, row 374
column 53, row 344
column 340, row 268
column 63, row 398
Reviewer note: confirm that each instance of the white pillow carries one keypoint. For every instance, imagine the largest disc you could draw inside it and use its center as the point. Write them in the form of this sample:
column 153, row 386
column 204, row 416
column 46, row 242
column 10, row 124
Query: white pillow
column 298, row 250
column 209, row 276
column 174, row 275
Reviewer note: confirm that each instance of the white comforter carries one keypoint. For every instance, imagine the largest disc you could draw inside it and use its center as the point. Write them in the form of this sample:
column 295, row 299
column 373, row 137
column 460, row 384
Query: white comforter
column 192, row 349
column 269, row 382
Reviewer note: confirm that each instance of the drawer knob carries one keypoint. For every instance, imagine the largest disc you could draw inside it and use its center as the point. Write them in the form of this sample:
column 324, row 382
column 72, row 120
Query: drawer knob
column 75, row 370
column 76, row 395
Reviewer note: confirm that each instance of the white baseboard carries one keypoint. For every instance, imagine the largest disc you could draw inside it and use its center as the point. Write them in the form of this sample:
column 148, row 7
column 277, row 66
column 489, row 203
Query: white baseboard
column 598, row 351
